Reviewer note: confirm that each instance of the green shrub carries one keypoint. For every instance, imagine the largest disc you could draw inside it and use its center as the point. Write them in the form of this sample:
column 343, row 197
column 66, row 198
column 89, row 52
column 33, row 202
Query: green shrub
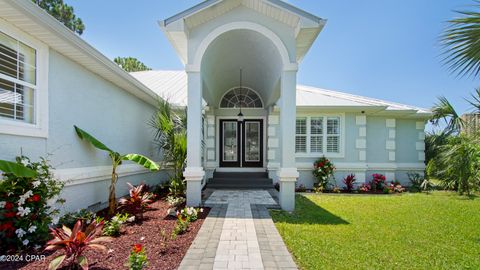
column 70, row 218
column 323, row 171
column 112, row 227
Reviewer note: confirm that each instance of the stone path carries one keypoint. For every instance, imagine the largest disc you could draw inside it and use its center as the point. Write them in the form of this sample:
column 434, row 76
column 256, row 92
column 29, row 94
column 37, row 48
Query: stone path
column 238, row 234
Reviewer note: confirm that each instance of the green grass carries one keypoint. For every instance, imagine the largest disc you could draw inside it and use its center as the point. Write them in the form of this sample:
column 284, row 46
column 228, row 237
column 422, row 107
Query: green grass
column 408, row 231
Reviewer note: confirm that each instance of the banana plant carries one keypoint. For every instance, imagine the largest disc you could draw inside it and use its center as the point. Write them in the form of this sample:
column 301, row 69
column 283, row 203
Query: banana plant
column 16, row 169
column 117, row 159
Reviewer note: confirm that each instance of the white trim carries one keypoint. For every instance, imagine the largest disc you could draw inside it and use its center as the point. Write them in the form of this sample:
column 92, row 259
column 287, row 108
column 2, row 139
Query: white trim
column 85, row 175
column 203, row 46
column 308, row 116
column 40, row 127
column 361, row 166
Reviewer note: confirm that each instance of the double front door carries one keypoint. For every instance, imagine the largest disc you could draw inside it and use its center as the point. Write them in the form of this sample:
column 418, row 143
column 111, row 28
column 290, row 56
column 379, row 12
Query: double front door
column 241, row 143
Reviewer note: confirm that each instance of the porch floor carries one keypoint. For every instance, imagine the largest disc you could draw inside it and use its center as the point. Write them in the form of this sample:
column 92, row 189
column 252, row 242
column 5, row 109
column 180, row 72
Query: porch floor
column 238, row 233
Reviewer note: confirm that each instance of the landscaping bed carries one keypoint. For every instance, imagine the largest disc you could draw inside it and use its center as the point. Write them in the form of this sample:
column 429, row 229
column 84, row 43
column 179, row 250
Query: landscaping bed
column 161, row 254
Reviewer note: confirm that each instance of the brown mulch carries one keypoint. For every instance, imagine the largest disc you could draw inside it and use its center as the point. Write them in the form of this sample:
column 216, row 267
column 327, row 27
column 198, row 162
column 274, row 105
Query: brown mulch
column 147, row 233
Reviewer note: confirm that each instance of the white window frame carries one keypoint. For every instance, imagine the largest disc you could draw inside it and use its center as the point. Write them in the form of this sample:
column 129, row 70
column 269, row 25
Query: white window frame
column 325, row 116
column 40, row 127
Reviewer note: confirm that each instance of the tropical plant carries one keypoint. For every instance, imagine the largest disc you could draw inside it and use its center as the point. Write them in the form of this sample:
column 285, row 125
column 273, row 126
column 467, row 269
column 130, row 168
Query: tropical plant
column 190, row 213
column 171, row 138
column 459, row 163
column 323, row 170
column 69, row 219
column 444, row 110
column 74, row 242
column 62, row 12
column 378, row 182
column 137, row 260
column 117, row 160
column 137, row 202
column 349, row 182
column 130, row 64
column 181, row 226
column 174, row 201
column 28, row 194
column 365, row 188
column 112, row 227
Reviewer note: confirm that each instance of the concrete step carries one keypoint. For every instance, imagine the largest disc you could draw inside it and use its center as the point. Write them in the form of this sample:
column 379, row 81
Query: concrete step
column 240, row 175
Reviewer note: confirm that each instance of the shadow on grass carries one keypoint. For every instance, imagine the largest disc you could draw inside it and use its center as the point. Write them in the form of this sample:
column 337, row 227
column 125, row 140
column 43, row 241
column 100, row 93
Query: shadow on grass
column 307, row 212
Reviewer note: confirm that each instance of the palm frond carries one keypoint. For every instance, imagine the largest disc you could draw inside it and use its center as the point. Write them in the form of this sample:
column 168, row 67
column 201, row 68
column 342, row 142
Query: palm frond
column 475, row 102
column 461, row 42
column 444, row 110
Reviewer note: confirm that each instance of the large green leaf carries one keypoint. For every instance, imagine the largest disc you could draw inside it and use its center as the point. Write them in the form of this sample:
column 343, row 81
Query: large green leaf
column 86, row 136
column 17, row 169
column 142, row 160
column 55, row 263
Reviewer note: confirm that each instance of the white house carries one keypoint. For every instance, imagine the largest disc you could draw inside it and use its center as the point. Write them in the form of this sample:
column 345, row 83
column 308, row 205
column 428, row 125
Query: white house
column 245, row 109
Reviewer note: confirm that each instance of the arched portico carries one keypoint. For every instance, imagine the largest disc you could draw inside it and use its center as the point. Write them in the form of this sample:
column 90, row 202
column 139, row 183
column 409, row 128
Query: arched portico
column 263, row 38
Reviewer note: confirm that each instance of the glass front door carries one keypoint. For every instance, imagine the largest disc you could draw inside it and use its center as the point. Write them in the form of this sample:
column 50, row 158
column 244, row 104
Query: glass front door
column 241, row 143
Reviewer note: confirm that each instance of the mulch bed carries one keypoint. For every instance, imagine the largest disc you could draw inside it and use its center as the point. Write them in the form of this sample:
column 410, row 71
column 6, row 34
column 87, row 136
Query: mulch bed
column 147, row 233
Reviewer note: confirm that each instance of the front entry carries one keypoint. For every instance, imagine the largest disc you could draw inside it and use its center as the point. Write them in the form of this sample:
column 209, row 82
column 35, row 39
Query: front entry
column 241, row 143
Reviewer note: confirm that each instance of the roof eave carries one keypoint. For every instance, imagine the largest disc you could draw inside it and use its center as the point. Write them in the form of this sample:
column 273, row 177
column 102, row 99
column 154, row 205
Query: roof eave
column 44, row 19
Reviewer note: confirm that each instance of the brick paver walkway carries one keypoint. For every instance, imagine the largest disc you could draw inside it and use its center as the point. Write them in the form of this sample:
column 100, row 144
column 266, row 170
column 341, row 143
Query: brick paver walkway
column 238, row 234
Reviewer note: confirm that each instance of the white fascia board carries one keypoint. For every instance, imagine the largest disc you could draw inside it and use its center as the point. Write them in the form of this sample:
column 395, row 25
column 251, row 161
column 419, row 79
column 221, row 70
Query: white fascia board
column 43, row 19
column 366, row 109
column 177, row 35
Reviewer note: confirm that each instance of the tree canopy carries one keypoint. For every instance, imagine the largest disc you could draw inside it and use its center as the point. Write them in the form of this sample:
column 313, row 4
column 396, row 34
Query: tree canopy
column 62, row 12
column 130, row 64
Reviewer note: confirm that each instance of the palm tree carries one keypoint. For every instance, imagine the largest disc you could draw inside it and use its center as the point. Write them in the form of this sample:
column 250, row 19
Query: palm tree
column 461, row 41
column 171, row 138
column 443, row 110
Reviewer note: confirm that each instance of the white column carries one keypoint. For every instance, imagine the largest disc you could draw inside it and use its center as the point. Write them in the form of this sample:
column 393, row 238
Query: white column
column 288, row 173
column 194, row 171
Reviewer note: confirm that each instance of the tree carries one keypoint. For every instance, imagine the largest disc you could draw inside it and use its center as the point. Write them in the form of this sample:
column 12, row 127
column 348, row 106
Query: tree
column 117, row 159
column 62, row 12
column 171, row 138
column 130, row 64
column 461, row 43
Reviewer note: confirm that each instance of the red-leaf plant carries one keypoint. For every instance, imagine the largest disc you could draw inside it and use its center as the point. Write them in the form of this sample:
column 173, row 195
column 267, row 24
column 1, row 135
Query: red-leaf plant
column 138, row 201
column 74, row 242
column 349, row 181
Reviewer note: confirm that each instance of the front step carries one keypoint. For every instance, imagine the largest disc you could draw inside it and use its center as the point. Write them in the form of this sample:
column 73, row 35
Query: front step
column 240, row 180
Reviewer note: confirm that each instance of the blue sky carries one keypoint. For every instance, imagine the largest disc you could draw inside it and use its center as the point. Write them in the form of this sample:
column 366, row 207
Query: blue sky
column 386, row 49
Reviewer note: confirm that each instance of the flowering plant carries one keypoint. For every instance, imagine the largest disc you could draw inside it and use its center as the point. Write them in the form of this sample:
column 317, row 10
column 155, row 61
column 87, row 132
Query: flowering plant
column 365, row 187
column 137, row 259
column 379, row 181
column 190, row 213
column 323, row 170
column 27, row 205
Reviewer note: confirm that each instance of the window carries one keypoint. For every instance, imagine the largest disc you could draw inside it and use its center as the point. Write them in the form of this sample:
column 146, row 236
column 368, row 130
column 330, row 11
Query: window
column 318, row 135
column 241, row 97
column 18, row 80
column 23, row 83
column 301, row 136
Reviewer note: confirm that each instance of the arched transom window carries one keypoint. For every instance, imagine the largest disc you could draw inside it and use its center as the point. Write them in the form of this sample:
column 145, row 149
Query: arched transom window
column 241, row 98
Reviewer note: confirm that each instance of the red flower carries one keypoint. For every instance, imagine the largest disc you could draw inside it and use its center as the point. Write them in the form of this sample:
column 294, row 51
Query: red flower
column 8, row 205
column 7, row 226
column 36, row 198
column 9, row 214
column 137, row 248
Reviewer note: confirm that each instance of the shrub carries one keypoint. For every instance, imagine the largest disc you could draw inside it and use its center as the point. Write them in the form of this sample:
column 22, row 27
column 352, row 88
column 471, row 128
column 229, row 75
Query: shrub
column 69, row 219
column 112, row 227
column 74, row 242
column 418, row 182
column 138, row 201
column 336, row 189
column 181, row 226
column 174, row 201
column 27, row 204
column 137, row 259
column 176, row 187
column 323, row 170
column 301, row 188
column 349, row 182
column 379, row 181
column 190, row 213
column 365, row 187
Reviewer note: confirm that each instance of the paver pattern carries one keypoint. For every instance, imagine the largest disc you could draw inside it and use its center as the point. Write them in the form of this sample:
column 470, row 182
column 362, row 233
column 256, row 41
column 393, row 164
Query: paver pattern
column 241, row 232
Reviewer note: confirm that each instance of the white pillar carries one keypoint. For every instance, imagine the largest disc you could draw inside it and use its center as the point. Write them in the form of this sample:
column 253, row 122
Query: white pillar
column 194, row 171
column 288, row 173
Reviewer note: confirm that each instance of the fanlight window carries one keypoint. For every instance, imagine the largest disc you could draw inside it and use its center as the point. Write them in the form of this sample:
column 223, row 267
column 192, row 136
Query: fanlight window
column 241, row 98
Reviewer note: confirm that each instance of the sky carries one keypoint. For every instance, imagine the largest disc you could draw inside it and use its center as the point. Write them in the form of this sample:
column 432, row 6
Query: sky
column 386, row 49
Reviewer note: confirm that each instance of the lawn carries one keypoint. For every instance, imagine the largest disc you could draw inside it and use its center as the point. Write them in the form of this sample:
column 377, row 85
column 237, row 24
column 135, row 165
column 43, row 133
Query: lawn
column 408, row 231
